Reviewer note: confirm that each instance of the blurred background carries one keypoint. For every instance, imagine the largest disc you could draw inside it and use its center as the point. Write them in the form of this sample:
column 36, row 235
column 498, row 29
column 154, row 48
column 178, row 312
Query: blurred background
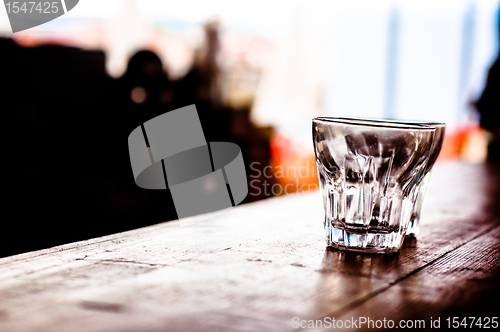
column 258, row 71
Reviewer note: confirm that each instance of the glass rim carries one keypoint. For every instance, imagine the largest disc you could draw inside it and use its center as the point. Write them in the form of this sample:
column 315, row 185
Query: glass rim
column 381, row 123
column 411, row 122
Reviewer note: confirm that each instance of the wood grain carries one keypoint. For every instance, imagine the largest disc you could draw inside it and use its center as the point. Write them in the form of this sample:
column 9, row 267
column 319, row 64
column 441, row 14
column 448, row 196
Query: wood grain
column 259, row 265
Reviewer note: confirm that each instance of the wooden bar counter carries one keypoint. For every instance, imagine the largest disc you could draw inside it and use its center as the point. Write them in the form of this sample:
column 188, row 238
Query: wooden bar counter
column 264, row 266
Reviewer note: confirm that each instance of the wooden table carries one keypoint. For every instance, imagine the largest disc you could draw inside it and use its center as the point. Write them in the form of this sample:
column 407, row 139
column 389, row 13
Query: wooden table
column 264, row 267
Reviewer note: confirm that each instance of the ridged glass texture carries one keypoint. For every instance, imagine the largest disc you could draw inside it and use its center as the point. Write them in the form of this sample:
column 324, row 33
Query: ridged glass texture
column 414, row 226
column 370, row 172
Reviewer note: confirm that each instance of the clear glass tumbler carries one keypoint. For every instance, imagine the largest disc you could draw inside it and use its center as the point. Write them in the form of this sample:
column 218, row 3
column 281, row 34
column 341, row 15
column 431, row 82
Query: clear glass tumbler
column 370, row 172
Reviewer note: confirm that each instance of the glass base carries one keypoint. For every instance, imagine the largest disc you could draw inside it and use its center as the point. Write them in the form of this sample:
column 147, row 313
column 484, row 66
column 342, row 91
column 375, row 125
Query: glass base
column 365, row 241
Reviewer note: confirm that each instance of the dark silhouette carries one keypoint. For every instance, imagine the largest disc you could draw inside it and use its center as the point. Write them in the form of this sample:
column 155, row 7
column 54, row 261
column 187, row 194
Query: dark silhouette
column 488, row 107
column 53, row 99
column 142, row 93
column 67, row 122
column 69, row 175
column 201, row 86
column 488, row 104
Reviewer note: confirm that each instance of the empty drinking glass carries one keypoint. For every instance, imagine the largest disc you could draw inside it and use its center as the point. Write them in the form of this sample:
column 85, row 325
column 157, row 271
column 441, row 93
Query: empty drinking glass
column 370, row 172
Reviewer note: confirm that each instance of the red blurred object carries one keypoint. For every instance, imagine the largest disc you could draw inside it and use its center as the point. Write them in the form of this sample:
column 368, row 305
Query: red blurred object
column 466, row 141
column 293, row 166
